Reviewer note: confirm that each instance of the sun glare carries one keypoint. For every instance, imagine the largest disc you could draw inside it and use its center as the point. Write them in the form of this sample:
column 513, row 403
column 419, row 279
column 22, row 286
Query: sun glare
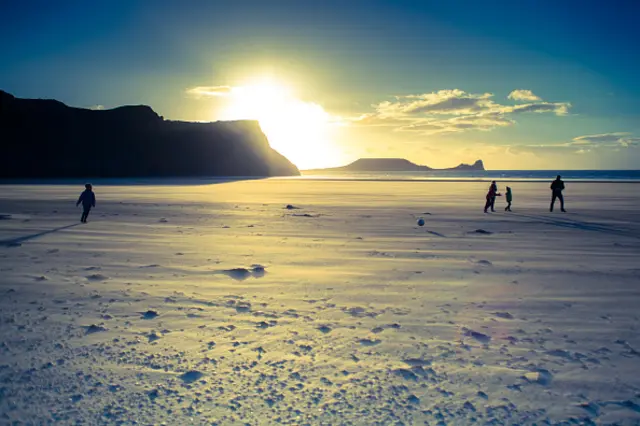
column 301, row 131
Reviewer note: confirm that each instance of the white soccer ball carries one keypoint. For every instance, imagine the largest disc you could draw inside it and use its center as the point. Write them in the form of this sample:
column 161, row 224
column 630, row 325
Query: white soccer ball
column 421, row 222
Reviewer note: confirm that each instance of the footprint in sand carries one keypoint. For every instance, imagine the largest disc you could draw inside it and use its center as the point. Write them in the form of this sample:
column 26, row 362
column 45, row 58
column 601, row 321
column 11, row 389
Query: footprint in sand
column 94, row 329
column 542, row 377
column 241, row 274
column 191, row 376
column 97, row 277
column 591, row 407
column 481, row 231
column 406, row 374
column 480, row 337
column 264, row 324
column 417, row 362
column 149, row 315
column 243, row 307
column 153, row 336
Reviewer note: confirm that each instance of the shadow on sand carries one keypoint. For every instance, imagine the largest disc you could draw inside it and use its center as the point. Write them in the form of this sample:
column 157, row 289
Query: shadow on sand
column 17, row 242
column 581, row 225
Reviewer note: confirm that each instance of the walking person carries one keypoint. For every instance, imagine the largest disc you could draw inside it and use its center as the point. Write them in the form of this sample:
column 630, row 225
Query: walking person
column 557, row 186
column 88, row 200
column 509, row 197
column 491, row 197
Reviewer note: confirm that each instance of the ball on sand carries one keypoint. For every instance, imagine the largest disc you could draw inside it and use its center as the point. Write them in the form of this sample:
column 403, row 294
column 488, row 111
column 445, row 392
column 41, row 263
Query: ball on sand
column 421, row 222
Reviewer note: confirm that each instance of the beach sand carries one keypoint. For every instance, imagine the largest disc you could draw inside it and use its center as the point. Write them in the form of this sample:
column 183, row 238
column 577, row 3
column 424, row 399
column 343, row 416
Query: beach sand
column 217, row 304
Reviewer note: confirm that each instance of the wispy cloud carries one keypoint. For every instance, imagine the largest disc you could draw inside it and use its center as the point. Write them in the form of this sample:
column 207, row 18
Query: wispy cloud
column 450, row 111
column 558, row 108
column 523, row 95
column 582, row 144
column 617, row 139
column 201, row 91
column 481, row 122
column 455, row 102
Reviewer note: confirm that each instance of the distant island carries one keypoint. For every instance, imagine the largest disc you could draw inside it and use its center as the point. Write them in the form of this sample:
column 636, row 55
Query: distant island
column 396, row 165
column 48, row 139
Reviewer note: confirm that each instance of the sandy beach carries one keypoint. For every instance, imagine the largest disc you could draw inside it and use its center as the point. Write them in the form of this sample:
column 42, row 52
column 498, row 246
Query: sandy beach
column 217, row 304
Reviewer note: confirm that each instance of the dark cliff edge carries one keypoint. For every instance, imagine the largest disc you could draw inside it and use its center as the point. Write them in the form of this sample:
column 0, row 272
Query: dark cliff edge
column 48, row 139
column 396, row 165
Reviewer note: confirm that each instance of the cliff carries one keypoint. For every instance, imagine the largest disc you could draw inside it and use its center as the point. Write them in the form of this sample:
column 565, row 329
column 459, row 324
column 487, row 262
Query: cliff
column 397, row 165
column 47, row 139
column 478, row 165
column 383, row 165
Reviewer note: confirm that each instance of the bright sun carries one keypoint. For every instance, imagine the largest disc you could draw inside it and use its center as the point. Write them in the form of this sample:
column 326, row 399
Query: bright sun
column 301, row 131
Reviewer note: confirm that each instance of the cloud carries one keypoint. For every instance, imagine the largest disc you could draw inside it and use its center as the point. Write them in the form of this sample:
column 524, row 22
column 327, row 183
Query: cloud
column 558, row 108
column 615, row 139
column 582, row 144
column 450, row 111
column 450, row 102
column 200, row 91
column 523, row 95
column 481, row 122
column 376, row 120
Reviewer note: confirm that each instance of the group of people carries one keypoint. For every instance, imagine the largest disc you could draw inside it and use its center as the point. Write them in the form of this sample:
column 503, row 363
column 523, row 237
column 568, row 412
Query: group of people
column 88, row 198
column 557, row 186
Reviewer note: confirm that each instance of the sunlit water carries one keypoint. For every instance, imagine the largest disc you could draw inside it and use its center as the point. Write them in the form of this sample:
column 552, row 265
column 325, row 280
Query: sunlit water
column 512, row 175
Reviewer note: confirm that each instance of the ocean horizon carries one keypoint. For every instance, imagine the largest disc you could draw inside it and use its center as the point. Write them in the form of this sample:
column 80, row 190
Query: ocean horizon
column 619, row 176
column 482, row 175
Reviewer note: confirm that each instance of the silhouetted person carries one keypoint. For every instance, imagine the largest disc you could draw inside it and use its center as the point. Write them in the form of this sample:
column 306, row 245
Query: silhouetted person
column 509, row 196
column 557, row 186
column 88, row 200
column 491, row 197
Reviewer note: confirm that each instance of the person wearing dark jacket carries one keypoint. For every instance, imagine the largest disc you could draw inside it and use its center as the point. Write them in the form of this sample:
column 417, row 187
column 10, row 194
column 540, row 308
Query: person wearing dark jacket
column 491, row 197
column 557, row 186
column 88, row 200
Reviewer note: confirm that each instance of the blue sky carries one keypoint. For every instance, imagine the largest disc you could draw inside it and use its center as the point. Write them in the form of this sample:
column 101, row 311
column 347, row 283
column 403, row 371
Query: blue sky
column 425, row 80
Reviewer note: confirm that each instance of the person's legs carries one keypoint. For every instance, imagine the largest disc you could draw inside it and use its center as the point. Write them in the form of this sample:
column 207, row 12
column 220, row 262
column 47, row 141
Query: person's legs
column 493, row 204
column 561, row 198
column 487, row 204
column 508, row 208
column 553, row 201
column 85, row 215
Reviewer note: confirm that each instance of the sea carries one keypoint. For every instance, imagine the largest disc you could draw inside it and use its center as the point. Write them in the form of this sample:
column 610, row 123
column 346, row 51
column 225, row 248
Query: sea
column 483, row 175
column 627, row 176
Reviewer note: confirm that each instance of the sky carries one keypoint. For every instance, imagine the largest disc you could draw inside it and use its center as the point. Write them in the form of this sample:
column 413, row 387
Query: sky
column 528, row 84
